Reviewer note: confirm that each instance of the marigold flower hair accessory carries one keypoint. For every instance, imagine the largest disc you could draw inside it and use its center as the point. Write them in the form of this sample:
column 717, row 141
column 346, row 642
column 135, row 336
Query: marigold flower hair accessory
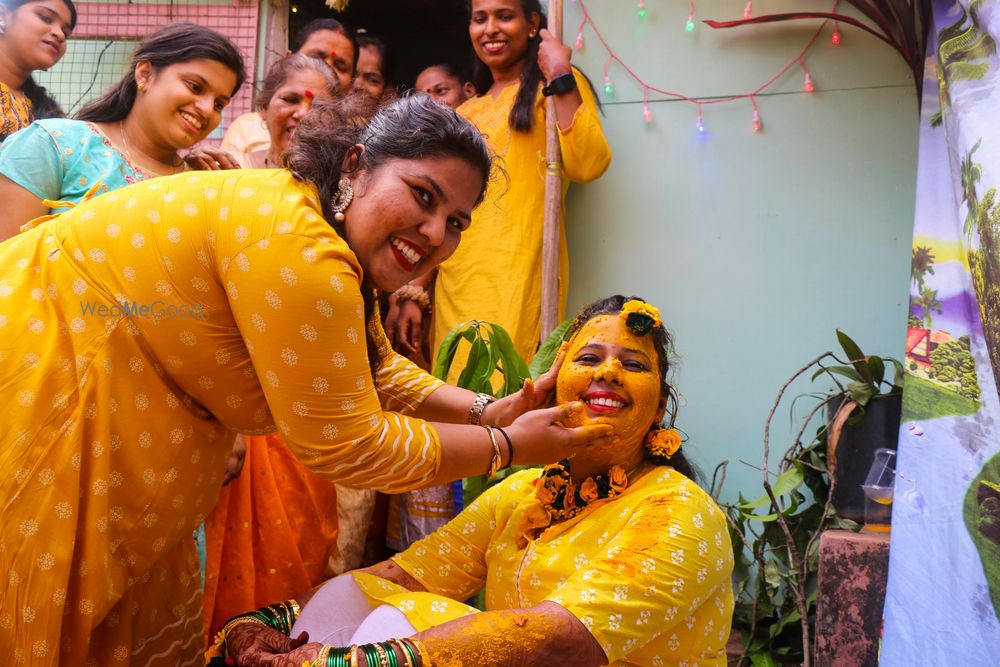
column 663, row 443
column 640, row 317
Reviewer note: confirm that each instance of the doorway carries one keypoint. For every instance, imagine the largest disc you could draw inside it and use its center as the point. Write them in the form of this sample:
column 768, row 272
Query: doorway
column 419, row 33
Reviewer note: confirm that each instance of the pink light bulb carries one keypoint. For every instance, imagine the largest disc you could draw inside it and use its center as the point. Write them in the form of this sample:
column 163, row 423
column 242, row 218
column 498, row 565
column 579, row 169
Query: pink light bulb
column 809, row 85
column 748, row 10
column 757, row 126
column 647, row 115
column 835, row 38
column 579, row 41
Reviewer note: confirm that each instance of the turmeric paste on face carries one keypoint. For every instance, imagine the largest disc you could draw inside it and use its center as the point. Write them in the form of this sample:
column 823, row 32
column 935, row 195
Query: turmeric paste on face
column 606, row 354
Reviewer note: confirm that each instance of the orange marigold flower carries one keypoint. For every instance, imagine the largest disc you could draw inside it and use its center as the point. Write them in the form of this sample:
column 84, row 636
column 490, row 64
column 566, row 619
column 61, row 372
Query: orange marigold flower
column 636, row 306
column 617, row 478
column 663, row 442
column 588, row 490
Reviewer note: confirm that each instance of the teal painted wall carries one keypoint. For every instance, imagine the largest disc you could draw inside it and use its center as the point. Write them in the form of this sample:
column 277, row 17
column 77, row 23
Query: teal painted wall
column 756, row 246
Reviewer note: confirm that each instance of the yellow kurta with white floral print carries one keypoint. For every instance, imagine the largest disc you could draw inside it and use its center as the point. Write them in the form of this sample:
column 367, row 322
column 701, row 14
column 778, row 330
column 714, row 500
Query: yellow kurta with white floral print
column 648, row 573
column 137, row 331
column 495, row 273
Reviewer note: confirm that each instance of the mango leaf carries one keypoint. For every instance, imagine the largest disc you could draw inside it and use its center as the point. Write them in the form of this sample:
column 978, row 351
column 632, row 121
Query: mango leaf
column 477, row 364
column 515, row 370
column 446, row 353
column 548, row 350
column 855, row 356
column 786, row 482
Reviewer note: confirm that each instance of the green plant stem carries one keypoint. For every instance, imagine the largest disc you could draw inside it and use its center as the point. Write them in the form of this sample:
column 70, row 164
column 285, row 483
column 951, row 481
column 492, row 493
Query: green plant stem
column 798, row 590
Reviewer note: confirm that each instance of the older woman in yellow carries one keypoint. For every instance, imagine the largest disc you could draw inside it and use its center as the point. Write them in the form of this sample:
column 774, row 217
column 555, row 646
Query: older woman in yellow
column 143, row 327
column 622, row 559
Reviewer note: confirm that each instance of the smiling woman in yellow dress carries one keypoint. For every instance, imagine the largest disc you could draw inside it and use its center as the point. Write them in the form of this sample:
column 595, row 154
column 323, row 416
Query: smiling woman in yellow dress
column 142, row 328
column 618, row 559
column 518, row 66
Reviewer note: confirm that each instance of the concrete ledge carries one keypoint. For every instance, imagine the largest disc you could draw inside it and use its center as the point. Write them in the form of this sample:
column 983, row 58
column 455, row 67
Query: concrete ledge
column 853, row 569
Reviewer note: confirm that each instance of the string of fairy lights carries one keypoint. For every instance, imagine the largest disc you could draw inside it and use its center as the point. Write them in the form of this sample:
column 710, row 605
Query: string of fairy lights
column 642, row 12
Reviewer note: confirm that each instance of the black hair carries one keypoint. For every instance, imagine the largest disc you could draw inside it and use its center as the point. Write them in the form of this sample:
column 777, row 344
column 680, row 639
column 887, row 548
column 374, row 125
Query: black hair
column 42, row 104
column 664, row 348
column 286, row 67
column 407, row 128
column 450, row 70
column 522, row 113
column 366, row 40
column 171, row 44
column 333, row 25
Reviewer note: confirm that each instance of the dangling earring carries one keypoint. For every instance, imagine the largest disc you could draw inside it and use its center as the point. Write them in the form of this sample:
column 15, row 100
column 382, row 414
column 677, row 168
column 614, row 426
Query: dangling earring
column 663, row 442
column 3, row 27
column 343, row 198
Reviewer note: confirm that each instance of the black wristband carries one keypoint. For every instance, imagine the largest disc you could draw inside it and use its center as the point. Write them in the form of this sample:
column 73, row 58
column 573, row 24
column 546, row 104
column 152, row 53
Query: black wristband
column 510, row 446
column 560, row 85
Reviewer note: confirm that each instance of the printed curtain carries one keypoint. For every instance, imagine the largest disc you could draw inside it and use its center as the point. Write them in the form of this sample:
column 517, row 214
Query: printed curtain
column 943, row 600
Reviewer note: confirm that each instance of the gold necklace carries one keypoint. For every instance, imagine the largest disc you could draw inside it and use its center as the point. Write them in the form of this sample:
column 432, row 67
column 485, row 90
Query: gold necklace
column 128, row 155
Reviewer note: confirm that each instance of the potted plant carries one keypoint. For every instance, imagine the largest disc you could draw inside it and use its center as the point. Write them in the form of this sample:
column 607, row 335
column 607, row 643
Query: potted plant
column 776, row 536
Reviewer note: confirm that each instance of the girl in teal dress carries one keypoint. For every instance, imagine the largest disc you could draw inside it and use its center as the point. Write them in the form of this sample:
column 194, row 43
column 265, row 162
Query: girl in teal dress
column 182, row 77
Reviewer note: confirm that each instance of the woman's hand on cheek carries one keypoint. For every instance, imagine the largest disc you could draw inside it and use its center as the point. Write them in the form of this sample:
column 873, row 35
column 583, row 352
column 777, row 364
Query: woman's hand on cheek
column 553, row 56
column 540, row 437
column 533, row 395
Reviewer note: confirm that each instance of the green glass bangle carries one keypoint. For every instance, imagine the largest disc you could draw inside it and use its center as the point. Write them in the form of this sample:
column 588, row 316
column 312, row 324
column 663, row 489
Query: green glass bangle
column 390, row 648
column 371, row 655
column 335, row 659
column 266, row 618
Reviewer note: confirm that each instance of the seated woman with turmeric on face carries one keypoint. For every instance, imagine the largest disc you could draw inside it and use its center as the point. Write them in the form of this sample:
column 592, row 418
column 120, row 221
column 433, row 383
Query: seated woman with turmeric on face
column 618, row 559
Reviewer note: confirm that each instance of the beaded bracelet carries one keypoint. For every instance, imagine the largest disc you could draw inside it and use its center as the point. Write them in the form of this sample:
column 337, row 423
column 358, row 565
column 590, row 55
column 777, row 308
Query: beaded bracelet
column 414, row 293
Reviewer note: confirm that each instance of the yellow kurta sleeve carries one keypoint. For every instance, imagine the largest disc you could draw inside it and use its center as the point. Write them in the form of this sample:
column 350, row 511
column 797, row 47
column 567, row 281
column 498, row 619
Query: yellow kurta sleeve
column 451, row 561
column 670, row 559
column 401, row 385
column 585, row 150
column 296, row 299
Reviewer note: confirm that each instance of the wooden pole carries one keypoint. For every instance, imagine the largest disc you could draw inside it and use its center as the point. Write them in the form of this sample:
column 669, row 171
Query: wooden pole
column 553, row 198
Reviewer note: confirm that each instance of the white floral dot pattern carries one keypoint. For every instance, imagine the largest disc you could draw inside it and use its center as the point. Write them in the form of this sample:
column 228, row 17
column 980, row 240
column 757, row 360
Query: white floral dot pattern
column 138, row 404
column 614, row 567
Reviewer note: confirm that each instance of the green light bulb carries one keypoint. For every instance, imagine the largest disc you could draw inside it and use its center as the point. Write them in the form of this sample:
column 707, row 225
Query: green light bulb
column 689, row 26
column 642, row 12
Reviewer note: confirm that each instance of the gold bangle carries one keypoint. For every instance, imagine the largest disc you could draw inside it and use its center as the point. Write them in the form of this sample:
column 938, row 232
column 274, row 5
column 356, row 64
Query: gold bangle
column 425, row 658
column 241, row 620
column 323, row 657
column 404, row 652
column 383, row 657
column 354, row 655
column 296, row 609
column 496, row 462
